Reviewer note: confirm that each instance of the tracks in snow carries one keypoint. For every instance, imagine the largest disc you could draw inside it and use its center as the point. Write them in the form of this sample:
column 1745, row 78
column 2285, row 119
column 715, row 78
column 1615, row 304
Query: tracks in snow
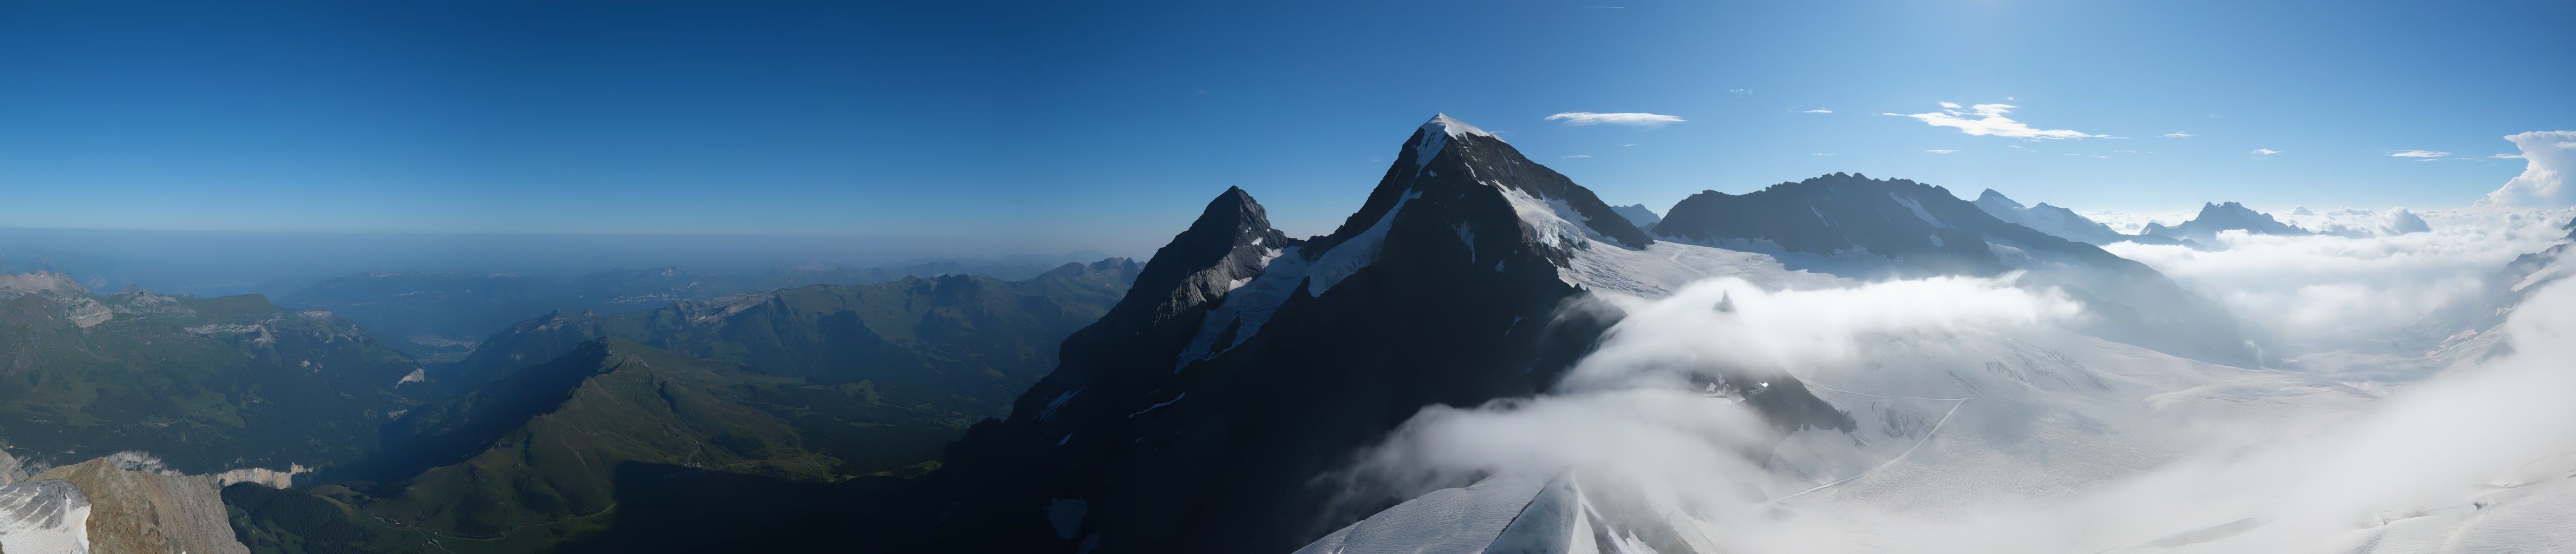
column 1918, row 443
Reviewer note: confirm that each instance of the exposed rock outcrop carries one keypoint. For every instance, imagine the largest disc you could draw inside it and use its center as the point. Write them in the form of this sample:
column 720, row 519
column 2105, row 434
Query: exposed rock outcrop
column 139, row 512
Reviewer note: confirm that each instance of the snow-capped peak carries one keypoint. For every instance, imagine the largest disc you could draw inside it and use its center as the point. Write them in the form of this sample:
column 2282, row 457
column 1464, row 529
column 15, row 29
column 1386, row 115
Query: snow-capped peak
column 1442, row 123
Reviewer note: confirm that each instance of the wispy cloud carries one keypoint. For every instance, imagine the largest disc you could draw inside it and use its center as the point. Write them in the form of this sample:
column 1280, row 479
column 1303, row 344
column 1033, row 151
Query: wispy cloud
column 1580, row 156
column 1820, row 153
column 1743, row 91
column 1988, row 119
column 2266, row 151
column 1627, row 145
column 2177, row 134
column 2418, row 154
column 1940, row 151
column 2506, row 156
column 1633, row 119
column 1817, row 111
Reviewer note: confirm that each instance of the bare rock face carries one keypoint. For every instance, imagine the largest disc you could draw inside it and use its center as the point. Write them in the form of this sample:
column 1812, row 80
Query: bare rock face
column 72, row 302
column 142, row 512
column 12, row 471
column 46, row 516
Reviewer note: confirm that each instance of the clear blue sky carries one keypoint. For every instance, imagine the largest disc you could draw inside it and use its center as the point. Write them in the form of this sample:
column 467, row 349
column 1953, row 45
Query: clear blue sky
column 1048, row 126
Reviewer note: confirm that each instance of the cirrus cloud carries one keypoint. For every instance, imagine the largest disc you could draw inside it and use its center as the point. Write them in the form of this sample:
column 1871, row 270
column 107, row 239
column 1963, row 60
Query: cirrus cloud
column 1633, row 119
column 1989, row 119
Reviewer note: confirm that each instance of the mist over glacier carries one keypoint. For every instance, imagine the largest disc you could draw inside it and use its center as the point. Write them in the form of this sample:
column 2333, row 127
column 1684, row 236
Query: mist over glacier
column 2357, row 303
column 1981, row 422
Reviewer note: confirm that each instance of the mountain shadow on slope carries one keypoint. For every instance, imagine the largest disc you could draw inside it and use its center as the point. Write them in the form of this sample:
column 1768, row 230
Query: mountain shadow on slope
column 955, row 326
column 542, row 465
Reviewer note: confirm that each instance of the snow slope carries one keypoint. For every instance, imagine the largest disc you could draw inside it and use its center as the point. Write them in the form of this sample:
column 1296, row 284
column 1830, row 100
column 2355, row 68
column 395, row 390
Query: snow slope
column 44, row 517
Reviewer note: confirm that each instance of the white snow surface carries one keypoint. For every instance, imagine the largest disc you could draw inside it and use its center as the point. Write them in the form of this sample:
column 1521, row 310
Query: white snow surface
column 1917, row 207
column 44, row 517
column 1435, row 137
column 1451, row 126
column 1358, row 252
column 1462, row 520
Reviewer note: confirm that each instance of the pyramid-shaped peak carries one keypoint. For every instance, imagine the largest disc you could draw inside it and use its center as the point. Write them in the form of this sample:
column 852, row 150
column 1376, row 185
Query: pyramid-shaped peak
column 1442, row 123
column 1992, row 200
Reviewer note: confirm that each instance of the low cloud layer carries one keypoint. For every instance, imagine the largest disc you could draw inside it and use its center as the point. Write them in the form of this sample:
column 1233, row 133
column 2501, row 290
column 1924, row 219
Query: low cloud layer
column 2356, row 222
column 1986, row 427
column 1633, row 411
column 2548, row 157
column 2362, row 287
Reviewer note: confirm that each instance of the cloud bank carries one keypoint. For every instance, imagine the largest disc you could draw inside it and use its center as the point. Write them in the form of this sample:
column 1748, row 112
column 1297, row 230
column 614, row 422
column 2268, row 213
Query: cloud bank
column 2548, row 156
column 1632, row 119
column 1984, row 429
column 1636, row 409
column 2364, row 284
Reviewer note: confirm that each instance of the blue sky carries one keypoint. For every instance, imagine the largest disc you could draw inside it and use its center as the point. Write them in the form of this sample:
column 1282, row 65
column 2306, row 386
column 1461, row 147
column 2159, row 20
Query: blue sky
column 1047, row 126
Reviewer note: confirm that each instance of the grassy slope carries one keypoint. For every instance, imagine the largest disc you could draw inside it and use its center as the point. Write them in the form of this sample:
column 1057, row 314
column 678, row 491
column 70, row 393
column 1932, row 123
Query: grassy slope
column 616, row 433
column 264, row 387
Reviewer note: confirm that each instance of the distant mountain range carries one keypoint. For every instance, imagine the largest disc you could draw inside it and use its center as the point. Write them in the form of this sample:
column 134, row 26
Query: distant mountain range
column 814, row 389
column 2060, row 222
column 206, row 384
column 1276, row 359
column 2229, row 216
column 1639, row 214
column 441, row 317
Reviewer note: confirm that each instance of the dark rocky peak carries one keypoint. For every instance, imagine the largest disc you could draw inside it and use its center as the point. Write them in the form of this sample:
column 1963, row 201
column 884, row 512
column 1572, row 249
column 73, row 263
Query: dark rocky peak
column 1639, row 214
column 1899, row 219
column 1450, row 161
column 1231, row 240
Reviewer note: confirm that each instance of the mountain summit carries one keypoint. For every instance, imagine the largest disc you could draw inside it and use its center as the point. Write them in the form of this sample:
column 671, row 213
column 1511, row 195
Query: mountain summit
column 2061, row 222
column 2228, row 216
column 1243, row 365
